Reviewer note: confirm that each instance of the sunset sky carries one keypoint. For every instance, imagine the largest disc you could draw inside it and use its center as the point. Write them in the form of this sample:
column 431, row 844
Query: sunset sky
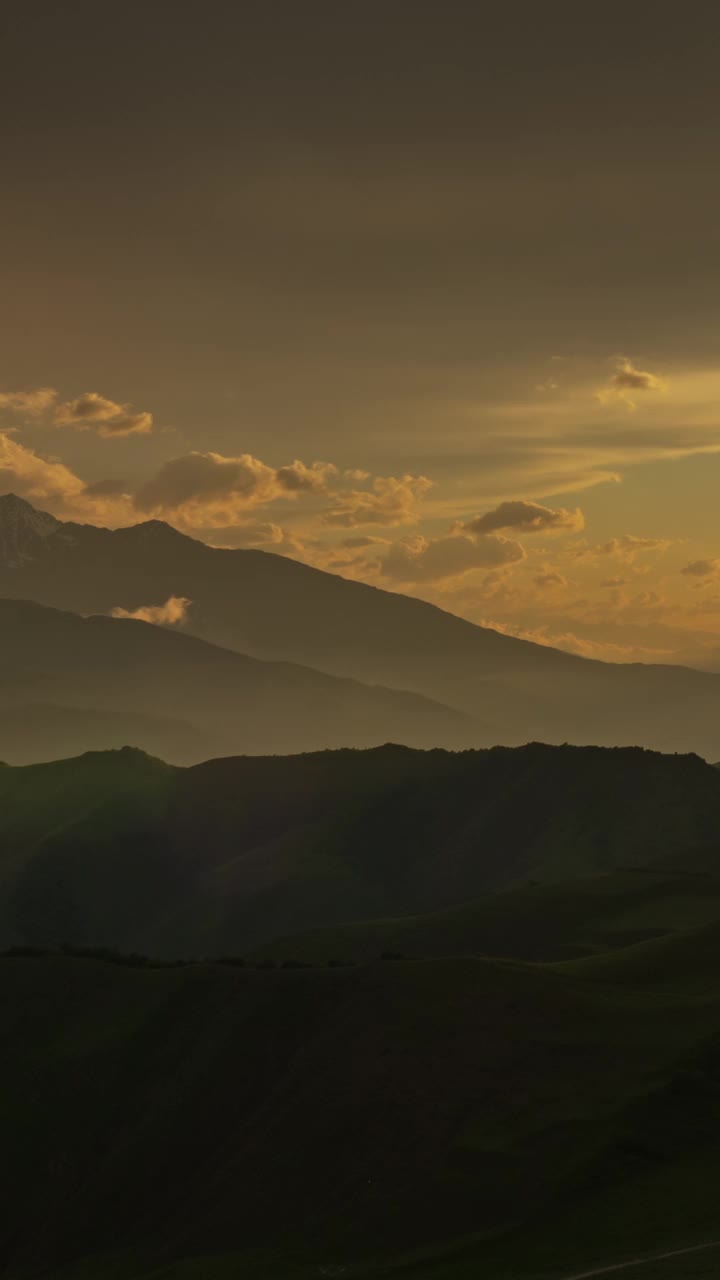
column 424, row 294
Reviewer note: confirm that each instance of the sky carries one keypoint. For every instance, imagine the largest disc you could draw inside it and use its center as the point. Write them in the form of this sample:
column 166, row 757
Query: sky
column 425, row 294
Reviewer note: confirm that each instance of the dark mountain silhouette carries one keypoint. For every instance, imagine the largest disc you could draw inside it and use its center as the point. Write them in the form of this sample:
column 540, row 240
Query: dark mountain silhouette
column 67, row 681
column 270, row 607
column 121, row 850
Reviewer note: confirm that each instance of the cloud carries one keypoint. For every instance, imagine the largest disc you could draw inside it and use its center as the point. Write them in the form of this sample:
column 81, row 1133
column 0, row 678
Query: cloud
column 628, row 379
column 627, row 375
column 108, row 488
column 582, row 646
column 33, row 403
column 31, row 476
column 92, row 411
column 361, row 540
column 702, row 568
column 171, row 614
column 87, row 412
column 422, row 559
column 207, row 488
column 299, row 478
column 52, row 486
column 626, row 548
column 528, row 517
column 391, row 500
column 550, row 578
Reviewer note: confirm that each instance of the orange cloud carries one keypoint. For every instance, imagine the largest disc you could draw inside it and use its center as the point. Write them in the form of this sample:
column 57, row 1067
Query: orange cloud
column 392, row 500
column 528, row 517
column 92, row 411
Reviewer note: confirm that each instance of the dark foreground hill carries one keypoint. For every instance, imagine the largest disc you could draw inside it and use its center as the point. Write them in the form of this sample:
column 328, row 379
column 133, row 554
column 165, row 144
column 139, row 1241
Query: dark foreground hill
column 120, row 850
column 68, row 682
column 274, row 608
column 441, row 1118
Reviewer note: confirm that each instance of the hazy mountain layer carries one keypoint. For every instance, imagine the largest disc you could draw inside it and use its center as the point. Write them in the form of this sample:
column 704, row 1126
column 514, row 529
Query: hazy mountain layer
column 274, row 608
column 135, row 678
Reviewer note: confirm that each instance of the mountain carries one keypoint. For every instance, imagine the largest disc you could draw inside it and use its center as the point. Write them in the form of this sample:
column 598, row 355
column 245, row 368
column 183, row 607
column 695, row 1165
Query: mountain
column 67, row 681
column 274, row 608
column 31, row 732
column 434, row 1119
column 120, row 850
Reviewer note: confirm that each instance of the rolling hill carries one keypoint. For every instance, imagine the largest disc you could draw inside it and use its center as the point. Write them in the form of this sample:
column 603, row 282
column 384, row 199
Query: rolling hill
column 453, row 1117
column 274, row 608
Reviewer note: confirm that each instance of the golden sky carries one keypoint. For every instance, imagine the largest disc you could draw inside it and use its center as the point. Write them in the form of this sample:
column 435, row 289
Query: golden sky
column 421, row 293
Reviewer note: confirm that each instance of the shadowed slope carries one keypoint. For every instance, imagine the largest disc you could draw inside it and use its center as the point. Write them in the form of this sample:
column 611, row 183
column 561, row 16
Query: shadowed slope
column 234, row 853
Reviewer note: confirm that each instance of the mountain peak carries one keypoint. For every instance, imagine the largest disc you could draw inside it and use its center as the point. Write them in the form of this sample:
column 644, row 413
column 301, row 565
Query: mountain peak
column 23, row 530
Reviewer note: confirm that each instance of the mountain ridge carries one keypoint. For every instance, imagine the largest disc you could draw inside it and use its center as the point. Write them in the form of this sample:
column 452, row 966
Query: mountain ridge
column 231, row 701
column 277, row 609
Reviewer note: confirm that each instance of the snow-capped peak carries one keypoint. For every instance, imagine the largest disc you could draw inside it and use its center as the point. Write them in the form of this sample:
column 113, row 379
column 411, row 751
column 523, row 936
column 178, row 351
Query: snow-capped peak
column 22, row 530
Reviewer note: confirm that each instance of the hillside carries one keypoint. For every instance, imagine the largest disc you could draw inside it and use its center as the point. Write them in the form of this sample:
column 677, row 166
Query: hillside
column 467, row 1026
column 68, row 681
column 270, row 607
column 123, row 851
column 394, row 1110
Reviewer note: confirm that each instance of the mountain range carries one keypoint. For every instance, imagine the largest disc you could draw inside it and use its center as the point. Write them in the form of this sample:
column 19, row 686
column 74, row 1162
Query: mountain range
column 275, row 609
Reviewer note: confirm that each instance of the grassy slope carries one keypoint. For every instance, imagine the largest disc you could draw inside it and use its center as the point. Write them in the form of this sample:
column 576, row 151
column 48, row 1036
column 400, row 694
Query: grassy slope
column 537, row 922
column 370, row 1111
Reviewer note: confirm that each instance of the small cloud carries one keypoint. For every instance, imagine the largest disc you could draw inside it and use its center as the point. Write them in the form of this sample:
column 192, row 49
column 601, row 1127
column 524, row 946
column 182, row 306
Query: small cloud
column 92, row 411
column 422, row 559
column 628, row 379
column 105, row 488
column 550, row 578
column 392, row 500
column 299, row 478
column 362, row 540
column 626, row 548
column 33, row 403
column 614, row 582
column 528, row 517
column 702, row 568
column 171, row 614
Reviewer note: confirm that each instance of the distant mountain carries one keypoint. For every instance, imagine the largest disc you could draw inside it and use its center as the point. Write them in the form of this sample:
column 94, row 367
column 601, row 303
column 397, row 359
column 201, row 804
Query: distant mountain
column 32, row 732
column 66, row 680
column 271, row 607
column 121, row 850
